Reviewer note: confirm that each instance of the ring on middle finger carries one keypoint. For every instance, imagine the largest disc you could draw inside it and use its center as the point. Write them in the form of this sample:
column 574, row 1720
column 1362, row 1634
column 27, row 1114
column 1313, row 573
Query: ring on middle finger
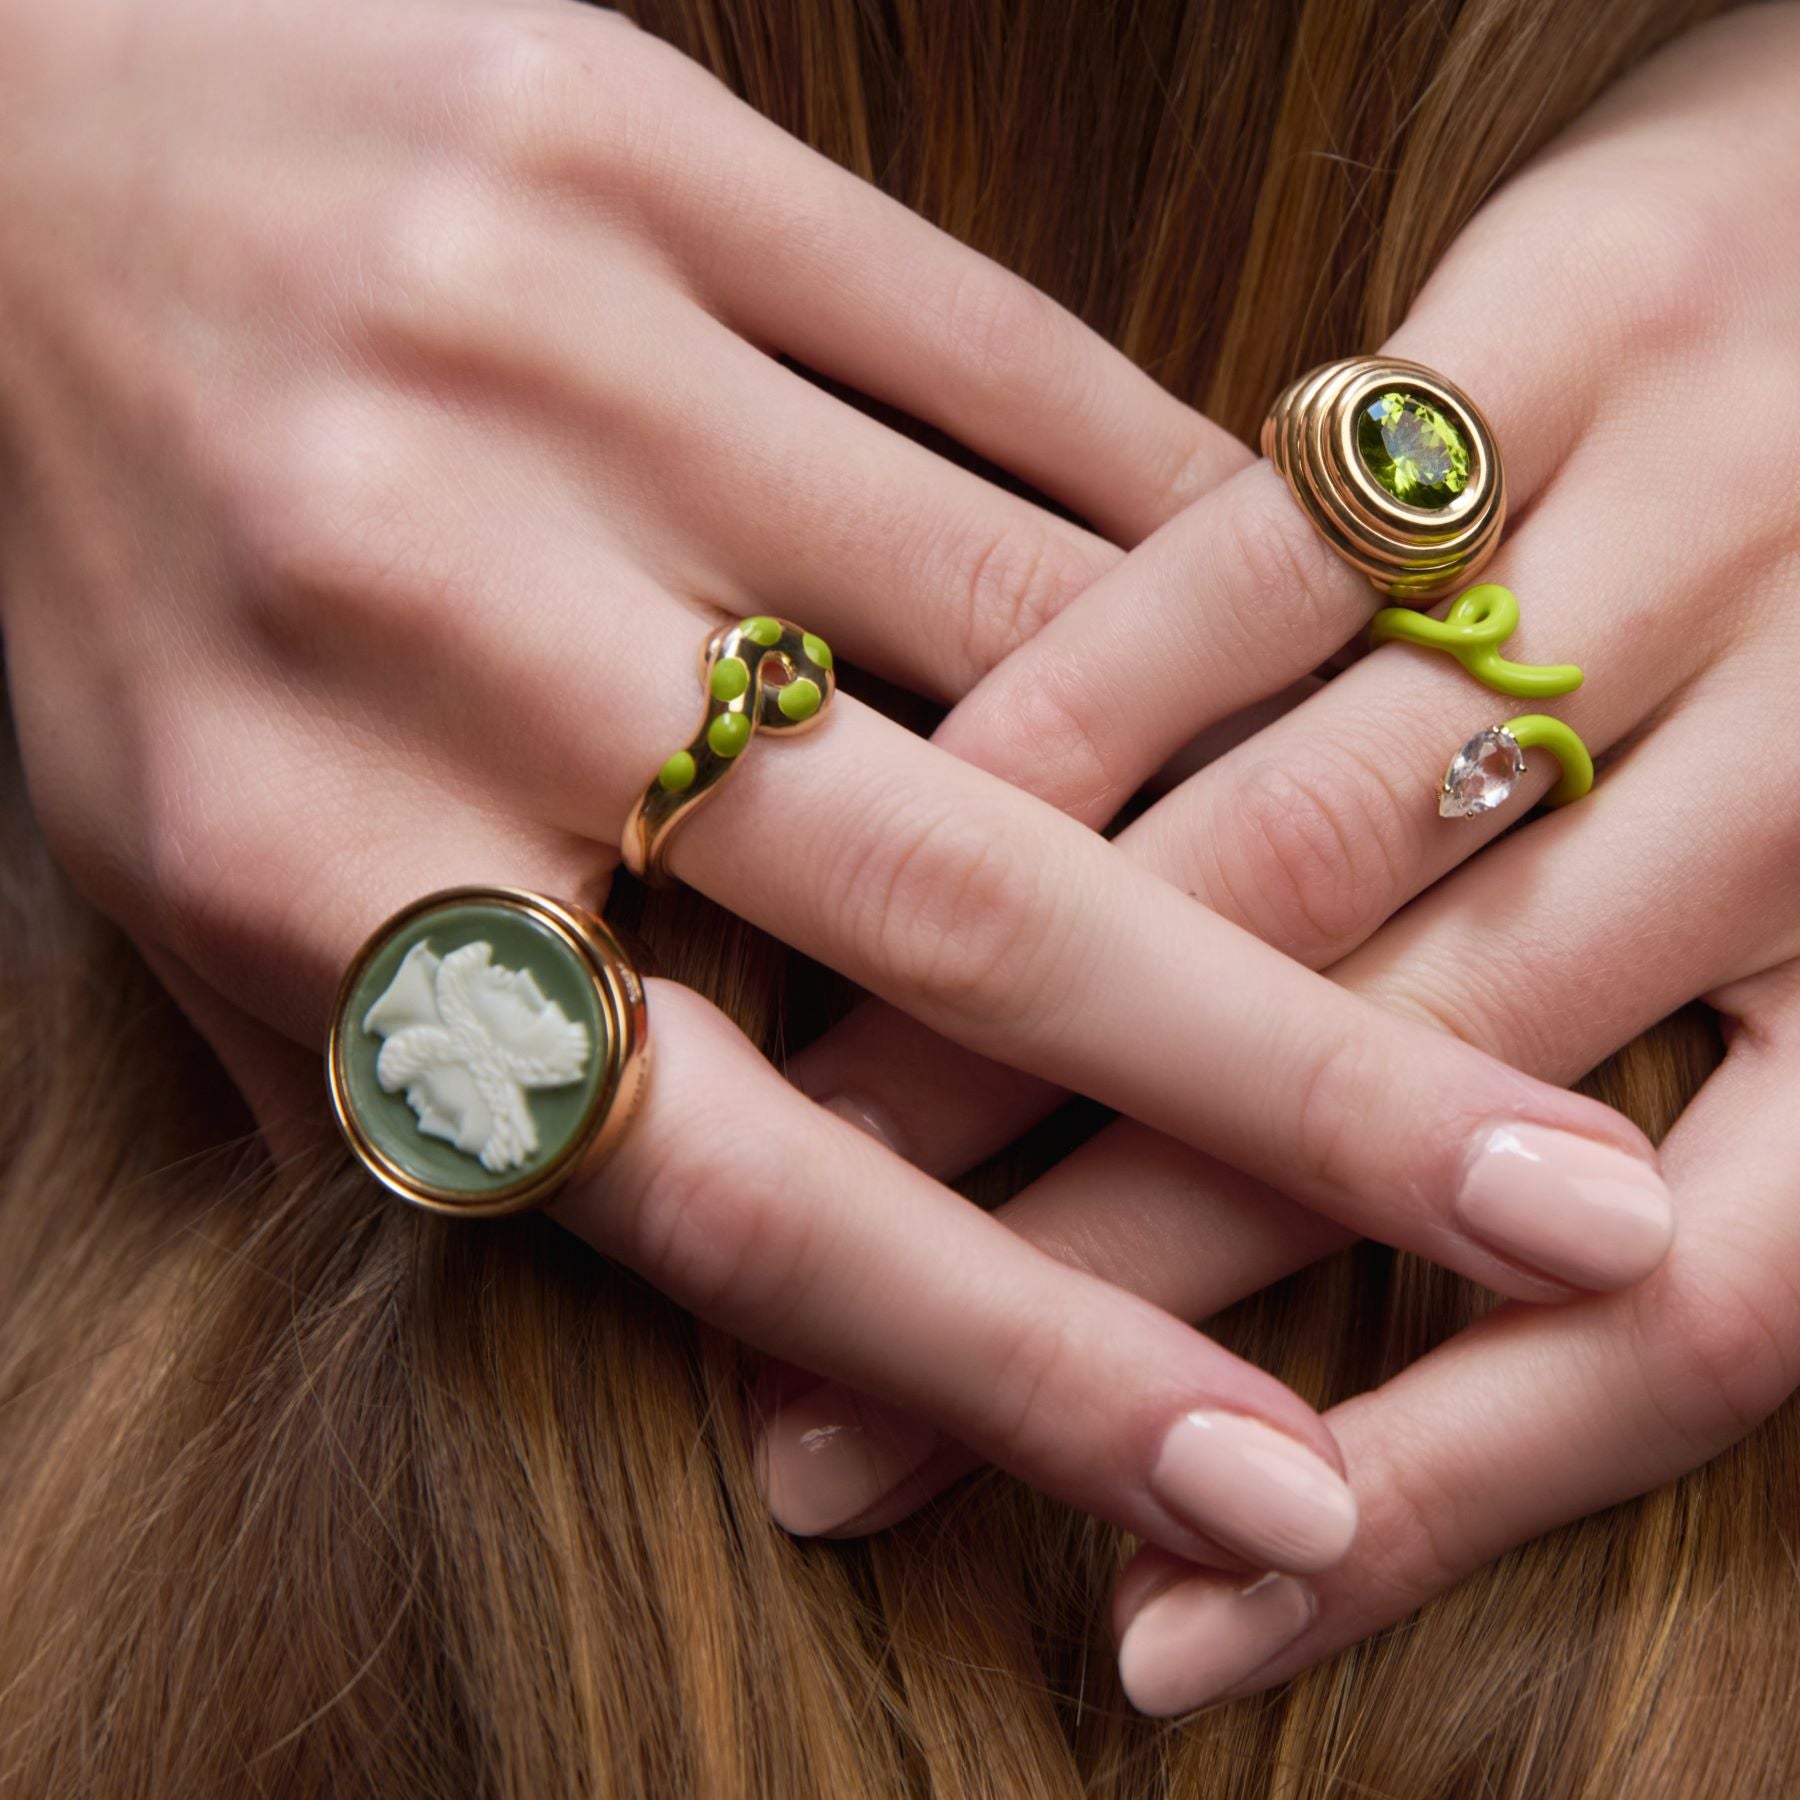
column 1396, row 468
column 761, row 674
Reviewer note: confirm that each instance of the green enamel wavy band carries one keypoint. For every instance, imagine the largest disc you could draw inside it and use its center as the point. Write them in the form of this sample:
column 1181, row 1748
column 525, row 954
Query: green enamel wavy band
column 1473, row 631
column 760, row 675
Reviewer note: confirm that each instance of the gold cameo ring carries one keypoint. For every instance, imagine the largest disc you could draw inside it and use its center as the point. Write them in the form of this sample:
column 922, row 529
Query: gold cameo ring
column 487, row 1045
column 1396, row 468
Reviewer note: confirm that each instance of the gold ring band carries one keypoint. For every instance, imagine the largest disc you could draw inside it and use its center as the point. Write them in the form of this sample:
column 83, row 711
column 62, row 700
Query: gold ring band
column 487, row 1046
column 1397, row 469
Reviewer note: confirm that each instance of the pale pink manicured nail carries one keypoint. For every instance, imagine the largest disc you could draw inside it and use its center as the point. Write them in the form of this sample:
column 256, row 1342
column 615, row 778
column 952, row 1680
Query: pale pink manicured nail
column 1582, row 1211
column 1256, row 1490
column 830, row 1455
column 1200, row 1638
column 864, row 1118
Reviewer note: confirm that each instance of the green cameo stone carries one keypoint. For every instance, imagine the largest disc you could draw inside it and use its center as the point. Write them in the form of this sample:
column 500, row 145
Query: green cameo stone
column 1418, row 452
column 474, row 1048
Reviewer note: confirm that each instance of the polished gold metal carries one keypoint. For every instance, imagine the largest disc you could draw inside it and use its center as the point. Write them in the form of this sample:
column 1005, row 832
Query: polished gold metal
column 1409, row 552
column 761, row 674
column 618, row 1092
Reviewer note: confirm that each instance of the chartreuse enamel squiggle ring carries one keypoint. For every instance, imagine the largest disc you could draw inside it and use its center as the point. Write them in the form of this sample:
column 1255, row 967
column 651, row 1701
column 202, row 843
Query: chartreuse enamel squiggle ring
column 1473, row 631
column 760, row 675
column 1484, row 772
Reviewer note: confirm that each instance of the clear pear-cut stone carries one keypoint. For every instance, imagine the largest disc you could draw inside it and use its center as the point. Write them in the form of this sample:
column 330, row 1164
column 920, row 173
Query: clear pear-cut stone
column 1482, row 774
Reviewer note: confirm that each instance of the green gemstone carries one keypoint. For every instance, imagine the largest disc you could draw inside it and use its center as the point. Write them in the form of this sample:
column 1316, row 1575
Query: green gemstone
column 728, row 734
column 1418, row 453
column 762, row 630
column 817, row 650
column 799, row 699
column 677, row 774
column 730, row 677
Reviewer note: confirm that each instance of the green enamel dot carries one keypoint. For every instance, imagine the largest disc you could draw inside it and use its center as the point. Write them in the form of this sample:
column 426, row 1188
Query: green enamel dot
column 471, row 1111
column 762, row 630
column 799, row 699
column 677, row 774
column 730, row 677
column 817, row 650
column 1419, row 453
column 728, row 734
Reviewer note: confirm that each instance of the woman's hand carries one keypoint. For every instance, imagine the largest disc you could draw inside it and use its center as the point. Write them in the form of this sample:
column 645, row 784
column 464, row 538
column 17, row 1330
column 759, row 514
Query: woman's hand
column 390, row 406
column 1623, row 312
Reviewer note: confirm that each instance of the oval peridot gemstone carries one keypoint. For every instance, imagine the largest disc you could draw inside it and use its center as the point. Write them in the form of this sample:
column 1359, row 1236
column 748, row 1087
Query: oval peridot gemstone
column 761, row 629
column 799, row 699
column 677, row 774
column 1416, row 451
column 730, row 676
column 728, row 734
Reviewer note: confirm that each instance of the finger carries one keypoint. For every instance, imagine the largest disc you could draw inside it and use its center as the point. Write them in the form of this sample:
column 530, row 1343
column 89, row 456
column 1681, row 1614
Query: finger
column 988, row 915
column 912, row 567
column 1131, row 1207
column 902, row 312
column 787, row 1226
column 719, row 470
column 793, row 1230
column 1323, row 825
column 1557, row 986
column 1232, row 600
column 1532, row 1418
column 1560, row 983
column 1015, row 931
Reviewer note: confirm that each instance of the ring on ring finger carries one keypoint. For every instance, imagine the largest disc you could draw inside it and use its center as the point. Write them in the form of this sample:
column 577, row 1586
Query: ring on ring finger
column 487, row 1046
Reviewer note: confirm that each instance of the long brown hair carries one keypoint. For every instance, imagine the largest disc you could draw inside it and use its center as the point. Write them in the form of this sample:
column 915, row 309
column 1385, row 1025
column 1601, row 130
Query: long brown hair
column 302, row 1494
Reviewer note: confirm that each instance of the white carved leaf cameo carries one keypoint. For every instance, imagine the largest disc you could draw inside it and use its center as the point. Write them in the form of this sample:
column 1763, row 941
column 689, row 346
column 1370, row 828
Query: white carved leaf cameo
column 466, row 1039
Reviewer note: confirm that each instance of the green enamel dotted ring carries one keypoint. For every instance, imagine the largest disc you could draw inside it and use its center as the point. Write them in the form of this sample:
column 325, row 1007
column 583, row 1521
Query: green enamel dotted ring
column 1396, row 468
column 759, row 675
column 487, row 1046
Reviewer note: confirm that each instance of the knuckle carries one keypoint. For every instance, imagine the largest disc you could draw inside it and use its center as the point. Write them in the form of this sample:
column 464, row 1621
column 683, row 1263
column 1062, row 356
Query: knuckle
column 951, row 916
column 1416, row 1536
column 1022, row 1415
column 1049, row 730
column 1314, row 860
column 325, row 530
column 431, row 257
column 1292, row 601
column 1013, row 583
column 719, row 1236
column 536, row 96
column 1723, row 1338
column 1332, row 1082
column 1012, row 338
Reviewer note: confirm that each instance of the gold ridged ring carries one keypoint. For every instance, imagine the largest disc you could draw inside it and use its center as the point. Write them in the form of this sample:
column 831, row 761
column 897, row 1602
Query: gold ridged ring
column 1409, row 552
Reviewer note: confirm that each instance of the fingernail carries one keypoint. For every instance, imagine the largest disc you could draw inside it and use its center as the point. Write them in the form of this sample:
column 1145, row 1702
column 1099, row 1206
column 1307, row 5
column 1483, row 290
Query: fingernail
column 1582, row 1211
column 830, row 1455
column 1201, row 1638
column 1256, row 1490
column 864, row 1118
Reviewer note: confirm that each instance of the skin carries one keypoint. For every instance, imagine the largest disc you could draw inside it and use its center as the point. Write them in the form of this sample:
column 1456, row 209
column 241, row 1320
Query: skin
column 389, row 406
column 1608, row 306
